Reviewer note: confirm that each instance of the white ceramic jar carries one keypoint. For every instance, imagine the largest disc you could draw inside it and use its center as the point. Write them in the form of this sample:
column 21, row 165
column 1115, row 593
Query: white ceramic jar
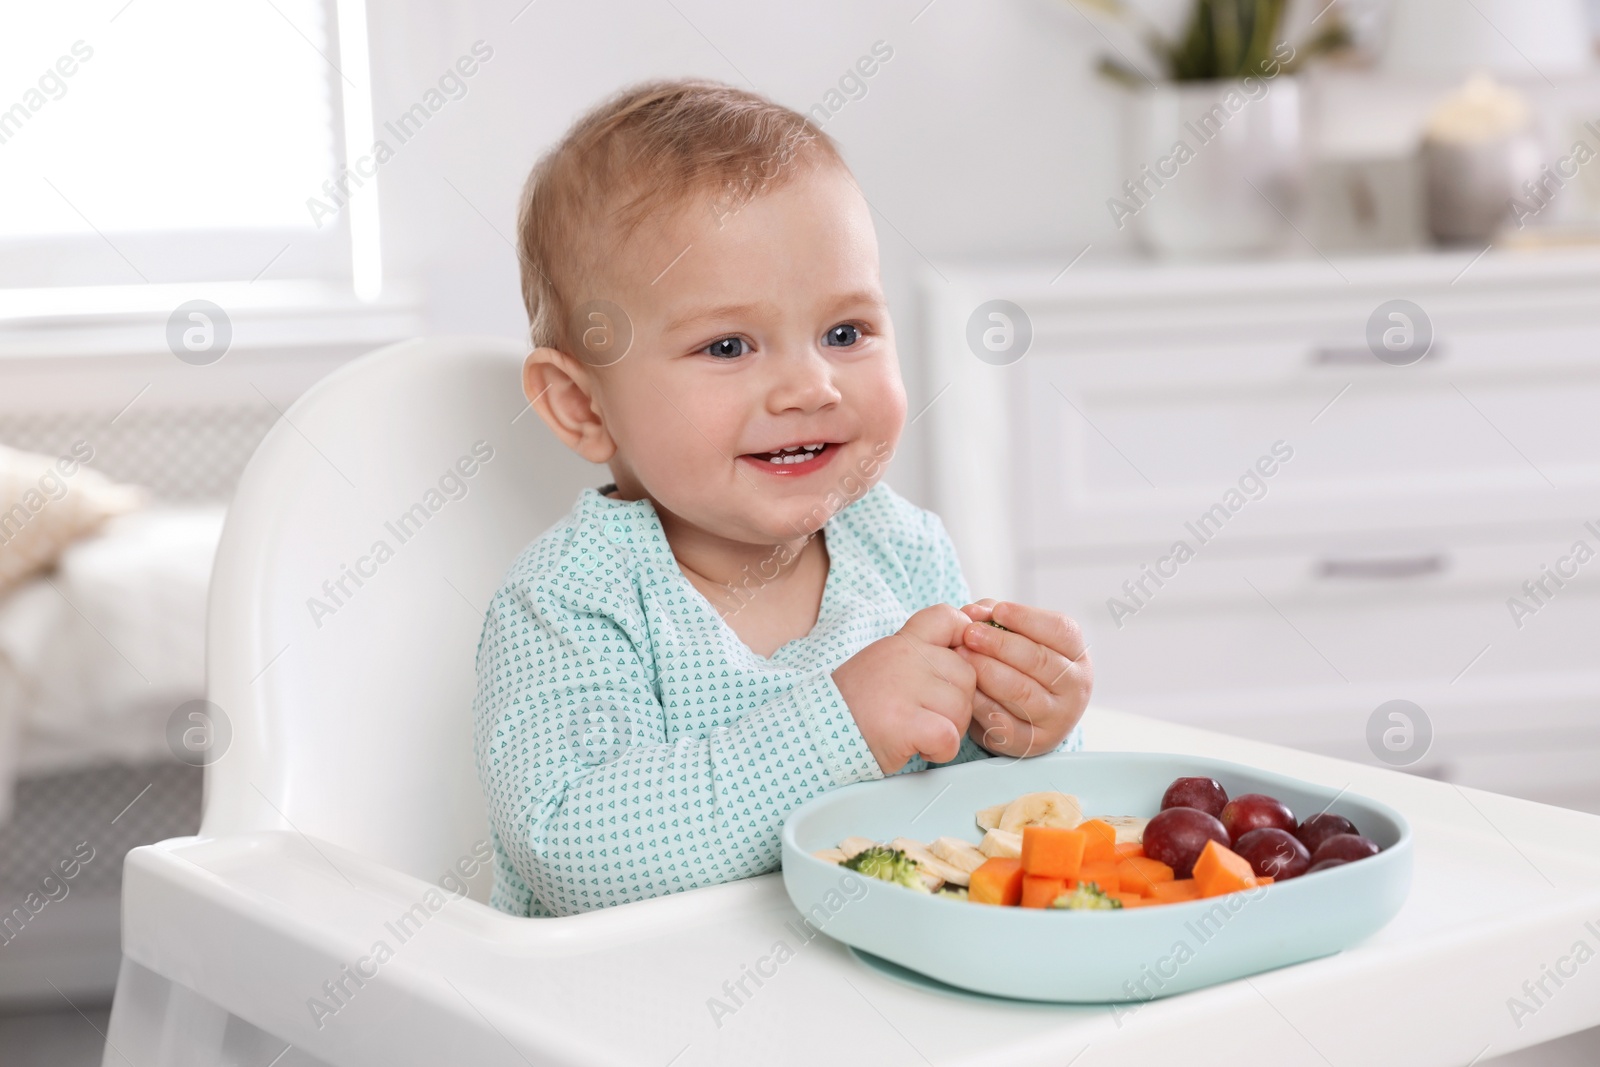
column 1212, row 167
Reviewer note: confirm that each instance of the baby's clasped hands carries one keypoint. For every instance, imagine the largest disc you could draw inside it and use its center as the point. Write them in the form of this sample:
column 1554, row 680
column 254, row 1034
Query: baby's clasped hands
column 1017, row 687
column 1033, row 676
column 912, row 693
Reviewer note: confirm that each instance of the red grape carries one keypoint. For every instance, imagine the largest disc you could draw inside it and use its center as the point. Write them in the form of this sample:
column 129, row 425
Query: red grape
column 1177, row 835
column 1347, row 847
column 1255, row 811
column 1273, row 853
column 1317, row 829
column 1324, row 865
column 1202, row 794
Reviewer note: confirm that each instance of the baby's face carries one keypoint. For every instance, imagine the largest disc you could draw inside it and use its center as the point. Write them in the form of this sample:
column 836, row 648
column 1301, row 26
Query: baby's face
column 762, row 389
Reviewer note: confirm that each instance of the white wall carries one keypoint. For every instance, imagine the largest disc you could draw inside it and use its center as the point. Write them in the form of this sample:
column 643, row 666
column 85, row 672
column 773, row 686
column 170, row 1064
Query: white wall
column 987, row 132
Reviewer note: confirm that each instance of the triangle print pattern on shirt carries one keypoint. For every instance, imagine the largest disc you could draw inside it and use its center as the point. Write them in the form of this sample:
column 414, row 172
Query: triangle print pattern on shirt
column 629, row 743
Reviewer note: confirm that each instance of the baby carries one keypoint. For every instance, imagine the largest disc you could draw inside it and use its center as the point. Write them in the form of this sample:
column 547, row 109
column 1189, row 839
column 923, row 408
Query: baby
column 745, row 617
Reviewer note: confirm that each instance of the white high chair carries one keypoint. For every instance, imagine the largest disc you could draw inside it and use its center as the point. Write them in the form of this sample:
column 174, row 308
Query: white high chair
column 347, row 792
column 342, row 791
column 345, row 674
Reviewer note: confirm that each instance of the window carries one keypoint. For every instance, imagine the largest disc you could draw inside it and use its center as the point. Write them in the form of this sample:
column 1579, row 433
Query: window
column 162, row 141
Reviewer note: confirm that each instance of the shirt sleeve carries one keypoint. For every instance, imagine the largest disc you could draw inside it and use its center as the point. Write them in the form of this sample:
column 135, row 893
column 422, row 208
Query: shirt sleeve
column 590, row 803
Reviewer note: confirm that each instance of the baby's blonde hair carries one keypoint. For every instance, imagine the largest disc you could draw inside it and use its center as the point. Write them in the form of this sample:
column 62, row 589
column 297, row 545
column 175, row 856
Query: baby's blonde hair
column 647, row 148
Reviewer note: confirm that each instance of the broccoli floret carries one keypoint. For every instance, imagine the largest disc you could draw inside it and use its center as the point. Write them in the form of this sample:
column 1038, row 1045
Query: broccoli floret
column 1088, row 896
column 889, row 865
column 954, row 892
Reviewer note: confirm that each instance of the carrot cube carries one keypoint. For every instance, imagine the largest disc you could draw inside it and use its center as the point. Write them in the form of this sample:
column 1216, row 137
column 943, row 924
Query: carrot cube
column 1040, row 890
column 1102, row 873
column 1221, row 870
column 1052, row 851
column 1140, row 874
column 1132, row 900
column 997, row 881
column 1102, row 843
column 1175, row 892
column 1129, row 849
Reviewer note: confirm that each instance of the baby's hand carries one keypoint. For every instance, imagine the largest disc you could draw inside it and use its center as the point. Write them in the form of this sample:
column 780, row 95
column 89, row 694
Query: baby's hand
column 1033, row 681
column 912, row 692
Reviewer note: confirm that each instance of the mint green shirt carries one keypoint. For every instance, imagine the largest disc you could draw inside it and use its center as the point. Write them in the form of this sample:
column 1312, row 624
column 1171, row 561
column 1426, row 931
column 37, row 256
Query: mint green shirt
column 631, row 745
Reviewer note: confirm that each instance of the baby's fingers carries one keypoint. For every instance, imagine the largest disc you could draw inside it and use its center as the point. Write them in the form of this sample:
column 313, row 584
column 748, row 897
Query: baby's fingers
column 1051, row 629
column 952, row 666
column 1019, row 651
column 998, row 731
column 1021, row 694
column 939, row 625
column 935, row 737
column 980, row 611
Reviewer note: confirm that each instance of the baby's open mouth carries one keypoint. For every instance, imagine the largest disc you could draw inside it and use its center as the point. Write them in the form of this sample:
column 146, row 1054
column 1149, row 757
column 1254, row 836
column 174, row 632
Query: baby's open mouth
column 794, row 461
column 792, row 455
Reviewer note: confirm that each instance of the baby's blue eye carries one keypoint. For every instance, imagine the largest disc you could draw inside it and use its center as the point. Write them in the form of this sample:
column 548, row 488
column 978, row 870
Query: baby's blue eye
column 726, row 348
column 843, row 335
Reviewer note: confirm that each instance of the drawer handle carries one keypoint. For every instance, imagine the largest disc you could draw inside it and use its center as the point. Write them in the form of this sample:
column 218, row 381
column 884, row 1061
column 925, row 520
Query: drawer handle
column 1389, row 568
column 1358, row 355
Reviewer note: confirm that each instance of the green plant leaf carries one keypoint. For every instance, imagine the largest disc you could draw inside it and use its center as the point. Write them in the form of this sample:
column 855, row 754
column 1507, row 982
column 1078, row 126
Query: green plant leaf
column 1229, row 39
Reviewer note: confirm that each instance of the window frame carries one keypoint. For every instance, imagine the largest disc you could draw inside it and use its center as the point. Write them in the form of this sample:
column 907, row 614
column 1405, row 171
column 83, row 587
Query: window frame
column 88, row 273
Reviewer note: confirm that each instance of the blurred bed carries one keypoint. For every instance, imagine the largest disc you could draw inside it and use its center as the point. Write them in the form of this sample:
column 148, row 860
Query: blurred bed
column 95, row 655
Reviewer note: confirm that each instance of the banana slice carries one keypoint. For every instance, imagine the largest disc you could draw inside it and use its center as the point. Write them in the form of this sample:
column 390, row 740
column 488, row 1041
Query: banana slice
column 929, row 863
column 1130, row 828
column 1001, row 844
column 830, row 855
column 989, row 818
column 1042, row 809
column 958, row 853
column 851, row 845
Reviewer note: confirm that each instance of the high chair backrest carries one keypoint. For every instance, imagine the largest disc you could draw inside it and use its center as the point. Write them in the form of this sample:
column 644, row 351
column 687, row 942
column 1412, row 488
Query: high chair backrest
column 364, row 541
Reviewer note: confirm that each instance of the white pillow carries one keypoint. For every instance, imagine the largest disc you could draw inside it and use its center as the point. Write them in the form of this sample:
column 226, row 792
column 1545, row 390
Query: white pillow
column 48, row 502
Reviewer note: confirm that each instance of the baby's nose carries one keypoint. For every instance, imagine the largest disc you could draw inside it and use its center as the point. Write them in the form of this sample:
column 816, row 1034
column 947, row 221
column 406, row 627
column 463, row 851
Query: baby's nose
column 805, row 382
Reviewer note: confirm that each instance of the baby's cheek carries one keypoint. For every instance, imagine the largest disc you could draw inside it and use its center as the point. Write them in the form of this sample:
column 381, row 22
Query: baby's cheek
column 674, row 472
column 884, row 404
column 669, row 435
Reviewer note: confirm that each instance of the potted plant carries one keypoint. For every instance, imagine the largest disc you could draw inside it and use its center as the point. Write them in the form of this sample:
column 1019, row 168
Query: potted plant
column 1213, row 145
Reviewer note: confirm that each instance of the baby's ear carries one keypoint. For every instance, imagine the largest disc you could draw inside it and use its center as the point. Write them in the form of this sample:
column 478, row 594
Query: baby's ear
column 562, row 390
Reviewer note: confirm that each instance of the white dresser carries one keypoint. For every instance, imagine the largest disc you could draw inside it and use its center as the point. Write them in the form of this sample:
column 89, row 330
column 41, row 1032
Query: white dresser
column 1355, row 528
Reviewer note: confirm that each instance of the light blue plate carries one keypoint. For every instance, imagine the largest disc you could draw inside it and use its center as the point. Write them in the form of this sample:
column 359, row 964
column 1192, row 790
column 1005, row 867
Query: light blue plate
column 1087, row 957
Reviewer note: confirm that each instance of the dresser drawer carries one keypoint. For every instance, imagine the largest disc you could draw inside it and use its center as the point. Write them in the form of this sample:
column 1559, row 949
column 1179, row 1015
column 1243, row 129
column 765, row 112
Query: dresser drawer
column 1301, row 647
column 1127, row 444
column 1360, row 531
column 1341, row 625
